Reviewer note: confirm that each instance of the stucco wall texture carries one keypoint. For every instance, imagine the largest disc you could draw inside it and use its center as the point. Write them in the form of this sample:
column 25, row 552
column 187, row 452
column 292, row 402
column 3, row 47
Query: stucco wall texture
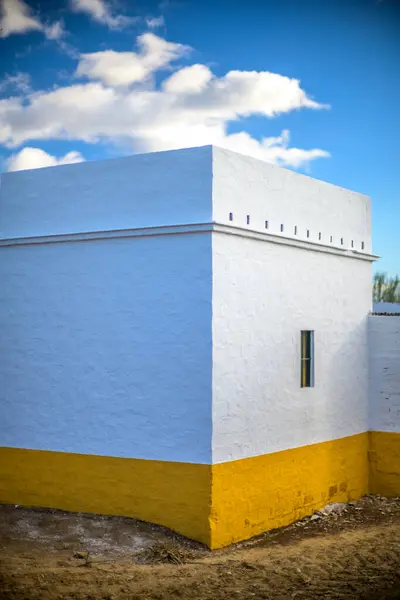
column 106, row 347
column 258, row 404
column 384, row 403
column 384, row 373
column 276, row 198
column 147, row 190
column 150, row 342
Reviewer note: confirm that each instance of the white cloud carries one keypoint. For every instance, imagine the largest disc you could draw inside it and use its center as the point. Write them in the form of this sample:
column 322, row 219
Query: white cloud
column 35, row 158
column 191, row 107
column 272, row 149
column 155, row 22
column 189, row 80
column 21, row 82
column 17, row 17
column 55, row 31
column 124, row 68
column 100, row 11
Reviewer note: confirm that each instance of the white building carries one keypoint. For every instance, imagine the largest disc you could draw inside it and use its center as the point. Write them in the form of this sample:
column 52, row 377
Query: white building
column 185, row 341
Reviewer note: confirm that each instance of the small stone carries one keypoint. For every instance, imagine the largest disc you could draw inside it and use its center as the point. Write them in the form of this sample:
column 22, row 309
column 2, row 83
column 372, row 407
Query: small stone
column 315, row 517
column 335, row 508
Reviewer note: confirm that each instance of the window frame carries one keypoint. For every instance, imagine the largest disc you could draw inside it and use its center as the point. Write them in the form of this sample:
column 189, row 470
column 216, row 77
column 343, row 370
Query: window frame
column 307, row 358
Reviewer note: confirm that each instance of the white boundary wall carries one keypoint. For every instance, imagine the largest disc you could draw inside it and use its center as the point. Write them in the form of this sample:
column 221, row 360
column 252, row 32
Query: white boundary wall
column 384, row 373
column 386, row 307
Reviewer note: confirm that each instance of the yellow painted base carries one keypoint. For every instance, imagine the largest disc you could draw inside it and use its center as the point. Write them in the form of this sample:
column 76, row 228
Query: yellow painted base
column 216, row 505
column 254, row 495
column 176, row 495
column 384, row 459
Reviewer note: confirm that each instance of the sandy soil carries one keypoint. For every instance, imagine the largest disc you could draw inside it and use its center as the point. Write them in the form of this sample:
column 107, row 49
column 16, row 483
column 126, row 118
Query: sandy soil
column 352, row 554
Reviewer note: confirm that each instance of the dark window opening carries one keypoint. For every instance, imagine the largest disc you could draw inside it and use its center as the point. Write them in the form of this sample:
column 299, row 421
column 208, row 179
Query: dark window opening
column 307, row 359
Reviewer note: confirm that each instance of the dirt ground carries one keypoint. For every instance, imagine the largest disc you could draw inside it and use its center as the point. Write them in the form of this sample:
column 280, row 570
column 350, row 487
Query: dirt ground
column 351, row 553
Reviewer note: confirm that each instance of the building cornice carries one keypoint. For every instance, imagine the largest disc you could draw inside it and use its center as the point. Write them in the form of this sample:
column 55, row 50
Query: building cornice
column 297, row 243
column 187, row 228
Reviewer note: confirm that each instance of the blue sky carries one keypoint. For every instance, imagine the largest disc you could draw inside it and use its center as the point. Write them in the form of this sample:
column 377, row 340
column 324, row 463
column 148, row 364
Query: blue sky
column 311, row 85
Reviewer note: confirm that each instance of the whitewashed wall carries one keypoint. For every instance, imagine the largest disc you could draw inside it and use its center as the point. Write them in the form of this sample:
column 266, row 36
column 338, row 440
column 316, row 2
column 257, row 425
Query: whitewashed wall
column 161, row 188
column 265, row 293
column 113, row 346
column 384, row 369
column 246, row 186
column 105, row 345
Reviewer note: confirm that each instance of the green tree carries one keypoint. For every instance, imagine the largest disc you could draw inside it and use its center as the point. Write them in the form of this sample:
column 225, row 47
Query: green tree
column 386, row 289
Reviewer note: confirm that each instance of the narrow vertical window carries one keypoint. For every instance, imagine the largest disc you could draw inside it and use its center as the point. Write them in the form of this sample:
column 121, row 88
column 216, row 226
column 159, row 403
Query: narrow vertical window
column 281, row 226
column 248, row 219
column 266, row 224
column 307, row 359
